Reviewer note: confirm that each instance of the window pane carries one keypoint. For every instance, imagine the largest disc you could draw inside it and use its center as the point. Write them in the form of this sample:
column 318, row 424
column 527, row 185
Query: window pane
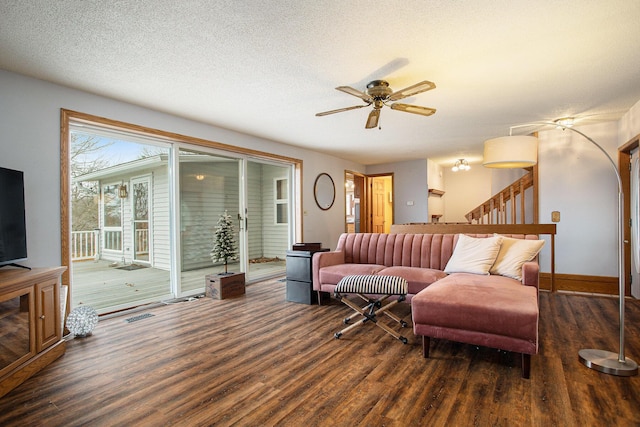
column 113, row 240
column 112, row 206
column 282, row 209
column 282, row 189
column 141, row 200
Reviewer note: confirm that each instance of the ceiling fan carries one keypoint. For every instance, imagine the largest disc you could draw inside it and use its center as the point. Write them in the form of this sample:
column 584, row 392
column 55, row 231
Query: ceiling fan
column 379, row 94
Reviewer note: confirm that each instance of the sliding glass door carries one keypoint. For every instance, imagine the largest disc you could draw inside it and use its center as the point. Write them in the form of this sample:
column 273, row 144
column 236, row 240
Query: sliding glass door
column 209, row 187
column 254, row 193
column 145, row 210
column 120, row 246
column 267, row 218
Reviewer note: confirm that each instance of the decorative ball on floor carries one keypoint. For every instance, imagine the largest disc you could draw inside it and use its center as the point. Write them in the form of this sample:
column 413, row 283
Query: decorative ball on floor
column 82, row 320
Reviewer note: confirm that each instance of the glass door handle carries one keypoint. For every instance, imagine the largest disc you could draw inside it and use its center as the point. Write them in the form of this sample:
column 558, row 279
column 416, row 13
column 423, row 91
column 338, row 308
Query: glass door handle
column 243, row 222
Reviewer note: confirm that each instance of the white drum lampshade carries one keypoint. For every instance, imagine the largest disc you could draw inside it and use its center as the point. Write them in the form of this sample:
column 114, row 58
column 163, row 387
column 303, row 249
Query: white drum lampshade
column 517, row 151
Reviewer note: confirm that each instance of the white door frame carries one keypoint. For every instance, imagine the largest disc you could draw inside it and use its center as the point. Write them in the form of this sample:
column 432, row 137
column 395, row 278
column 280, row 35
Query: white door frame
column 635, row 223
column 148, row 179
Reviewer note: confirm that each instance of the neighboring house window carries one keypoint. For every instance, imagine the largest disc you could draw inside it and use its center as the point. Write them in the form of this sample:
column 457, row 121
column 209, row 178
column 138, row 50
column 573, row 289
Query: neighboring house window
column 282, row 200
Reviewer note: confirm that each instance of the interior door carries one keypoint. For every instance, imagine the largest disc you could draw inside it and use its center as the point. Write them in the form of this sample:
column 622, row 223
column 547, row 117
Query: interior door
column 378, row 205
column 381, row 203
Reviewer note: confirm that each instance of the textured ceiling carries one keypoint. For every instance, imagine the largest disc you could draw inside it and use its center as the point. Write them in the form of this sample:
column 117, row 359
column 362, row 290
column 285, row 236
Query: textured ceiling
column 266, row 67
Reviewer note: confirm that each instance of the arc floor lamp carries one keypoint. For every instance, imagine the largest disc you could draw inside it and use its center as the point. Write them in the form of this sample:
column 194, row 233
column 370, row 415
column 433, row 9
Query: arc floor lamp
column 516, row 151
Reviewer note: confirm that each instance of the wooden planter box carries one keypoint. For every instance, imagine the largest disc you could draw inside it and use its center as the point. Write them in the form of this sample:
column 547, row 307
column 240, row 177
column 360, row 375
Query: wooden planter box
column 221, row 286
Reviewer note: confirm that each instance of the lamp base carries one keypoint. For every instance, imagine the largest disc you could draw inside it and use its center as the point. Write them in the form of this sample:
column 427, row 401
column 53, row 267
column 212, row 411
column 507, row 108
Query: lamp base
column 607, row 362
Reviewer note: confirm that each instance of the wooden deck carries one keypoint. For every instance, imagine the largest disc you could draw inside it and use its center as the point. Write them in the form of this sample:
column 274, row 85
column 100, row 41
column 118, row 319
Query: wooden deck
column 109, row 288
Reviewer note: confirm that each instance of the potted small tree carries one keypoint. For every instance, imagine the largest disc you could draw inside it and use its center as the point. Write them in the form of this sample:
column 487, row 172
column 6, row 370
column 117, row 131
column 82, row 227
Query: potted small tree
column 224, row 242
column 224, row 285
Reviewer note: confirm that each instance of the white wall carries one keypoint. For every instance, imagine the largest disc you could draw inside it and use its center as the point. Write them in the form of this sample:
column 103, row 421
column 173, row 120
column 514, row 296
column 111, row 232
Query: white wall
column 465, row 190
column 629, row 125
column 577, row 180
column 628, row 129
column 435, row 179
column 29, row 141
column 324, row 226
column 409, row 189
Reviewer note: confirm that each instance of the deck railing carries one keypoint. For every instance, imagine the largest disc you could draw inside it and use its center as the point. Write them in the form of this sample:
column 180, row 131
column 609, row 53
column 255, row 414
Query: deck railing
column 86, row 244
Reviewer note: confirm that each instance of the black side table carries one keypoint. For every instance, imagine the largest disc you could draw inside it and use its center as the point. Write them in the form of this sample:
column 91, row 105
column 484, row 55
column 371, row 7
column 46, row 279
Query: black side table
column 300, row 276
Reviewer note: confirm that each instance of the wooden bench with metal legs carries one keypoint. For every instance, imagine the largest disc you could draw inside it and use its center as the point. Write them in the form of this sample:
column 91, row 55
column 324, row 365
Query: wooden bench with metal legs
column 375, row 290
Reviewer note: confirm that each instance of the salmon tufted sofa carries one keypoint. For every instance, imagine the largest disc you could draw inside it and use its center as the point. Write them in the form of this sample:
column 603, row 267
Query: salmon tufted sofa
column 491, row 310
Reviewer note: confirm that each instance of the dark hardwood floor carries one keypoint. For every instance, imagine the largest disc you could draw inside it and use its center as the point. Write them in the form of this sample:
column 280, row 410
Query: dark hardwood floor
column 258, row 360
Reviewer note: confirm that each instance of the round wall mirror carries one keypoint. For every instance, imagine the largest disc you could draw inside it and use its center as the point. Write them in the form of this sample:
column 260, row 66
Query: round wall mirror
column 324, row 191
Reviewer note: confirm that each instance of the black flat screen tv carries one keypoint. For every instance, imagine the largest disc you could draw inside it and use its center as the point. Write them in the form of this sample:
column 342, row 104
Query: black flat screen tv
column 13, row 228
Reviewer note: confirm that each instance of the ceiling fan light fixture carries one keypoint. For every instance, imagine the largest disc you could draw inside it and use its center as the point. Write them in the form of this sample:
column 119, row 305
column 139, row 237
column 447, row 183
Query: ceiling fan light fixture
column 461, row 165
column 379, row 89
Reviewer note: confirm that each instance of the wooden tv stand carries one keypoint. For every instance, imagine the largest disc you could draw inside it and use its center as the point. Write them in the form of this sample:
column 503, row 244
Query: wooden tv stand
column 30, row 323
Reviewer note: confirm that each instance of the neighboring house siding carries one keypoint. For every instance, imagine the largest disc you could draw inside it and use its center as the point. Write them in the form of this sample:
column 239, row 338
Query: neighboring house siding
column 201, row 204
column 275, row 236
column 159, row 227
column 202, row 201
column 255, row 220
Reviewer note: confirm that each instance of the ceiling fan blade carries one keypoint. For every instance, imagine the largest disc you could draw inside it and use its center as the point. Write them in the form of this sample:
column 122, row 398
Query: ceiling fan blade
column 339, row 110
column 355, row 92
column 415, row 109
column 372, row 120
column 412, row 90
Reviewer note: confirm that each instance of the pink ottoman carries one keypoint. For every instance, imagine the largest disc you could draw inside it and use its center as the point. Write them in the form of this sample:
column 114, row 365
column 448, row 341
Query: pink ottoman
column 491, row 311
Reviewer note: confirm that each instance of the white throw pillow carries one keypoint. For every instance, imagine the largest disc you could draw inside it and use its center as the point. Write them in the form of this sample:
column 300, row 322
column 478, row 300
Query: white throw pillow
column 473, row 255
column 513, row 253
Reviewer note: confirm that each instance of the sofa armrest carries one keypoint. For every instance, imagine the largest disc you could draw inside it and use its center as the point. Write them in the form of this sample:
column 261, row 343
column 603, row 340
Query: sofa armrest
column 531, row 274
column 323, row 259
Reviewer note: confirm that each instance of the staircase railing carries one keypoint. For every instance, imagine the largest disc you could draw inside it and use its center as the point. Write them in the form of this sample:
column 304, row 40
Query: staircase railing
column 505, row 207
